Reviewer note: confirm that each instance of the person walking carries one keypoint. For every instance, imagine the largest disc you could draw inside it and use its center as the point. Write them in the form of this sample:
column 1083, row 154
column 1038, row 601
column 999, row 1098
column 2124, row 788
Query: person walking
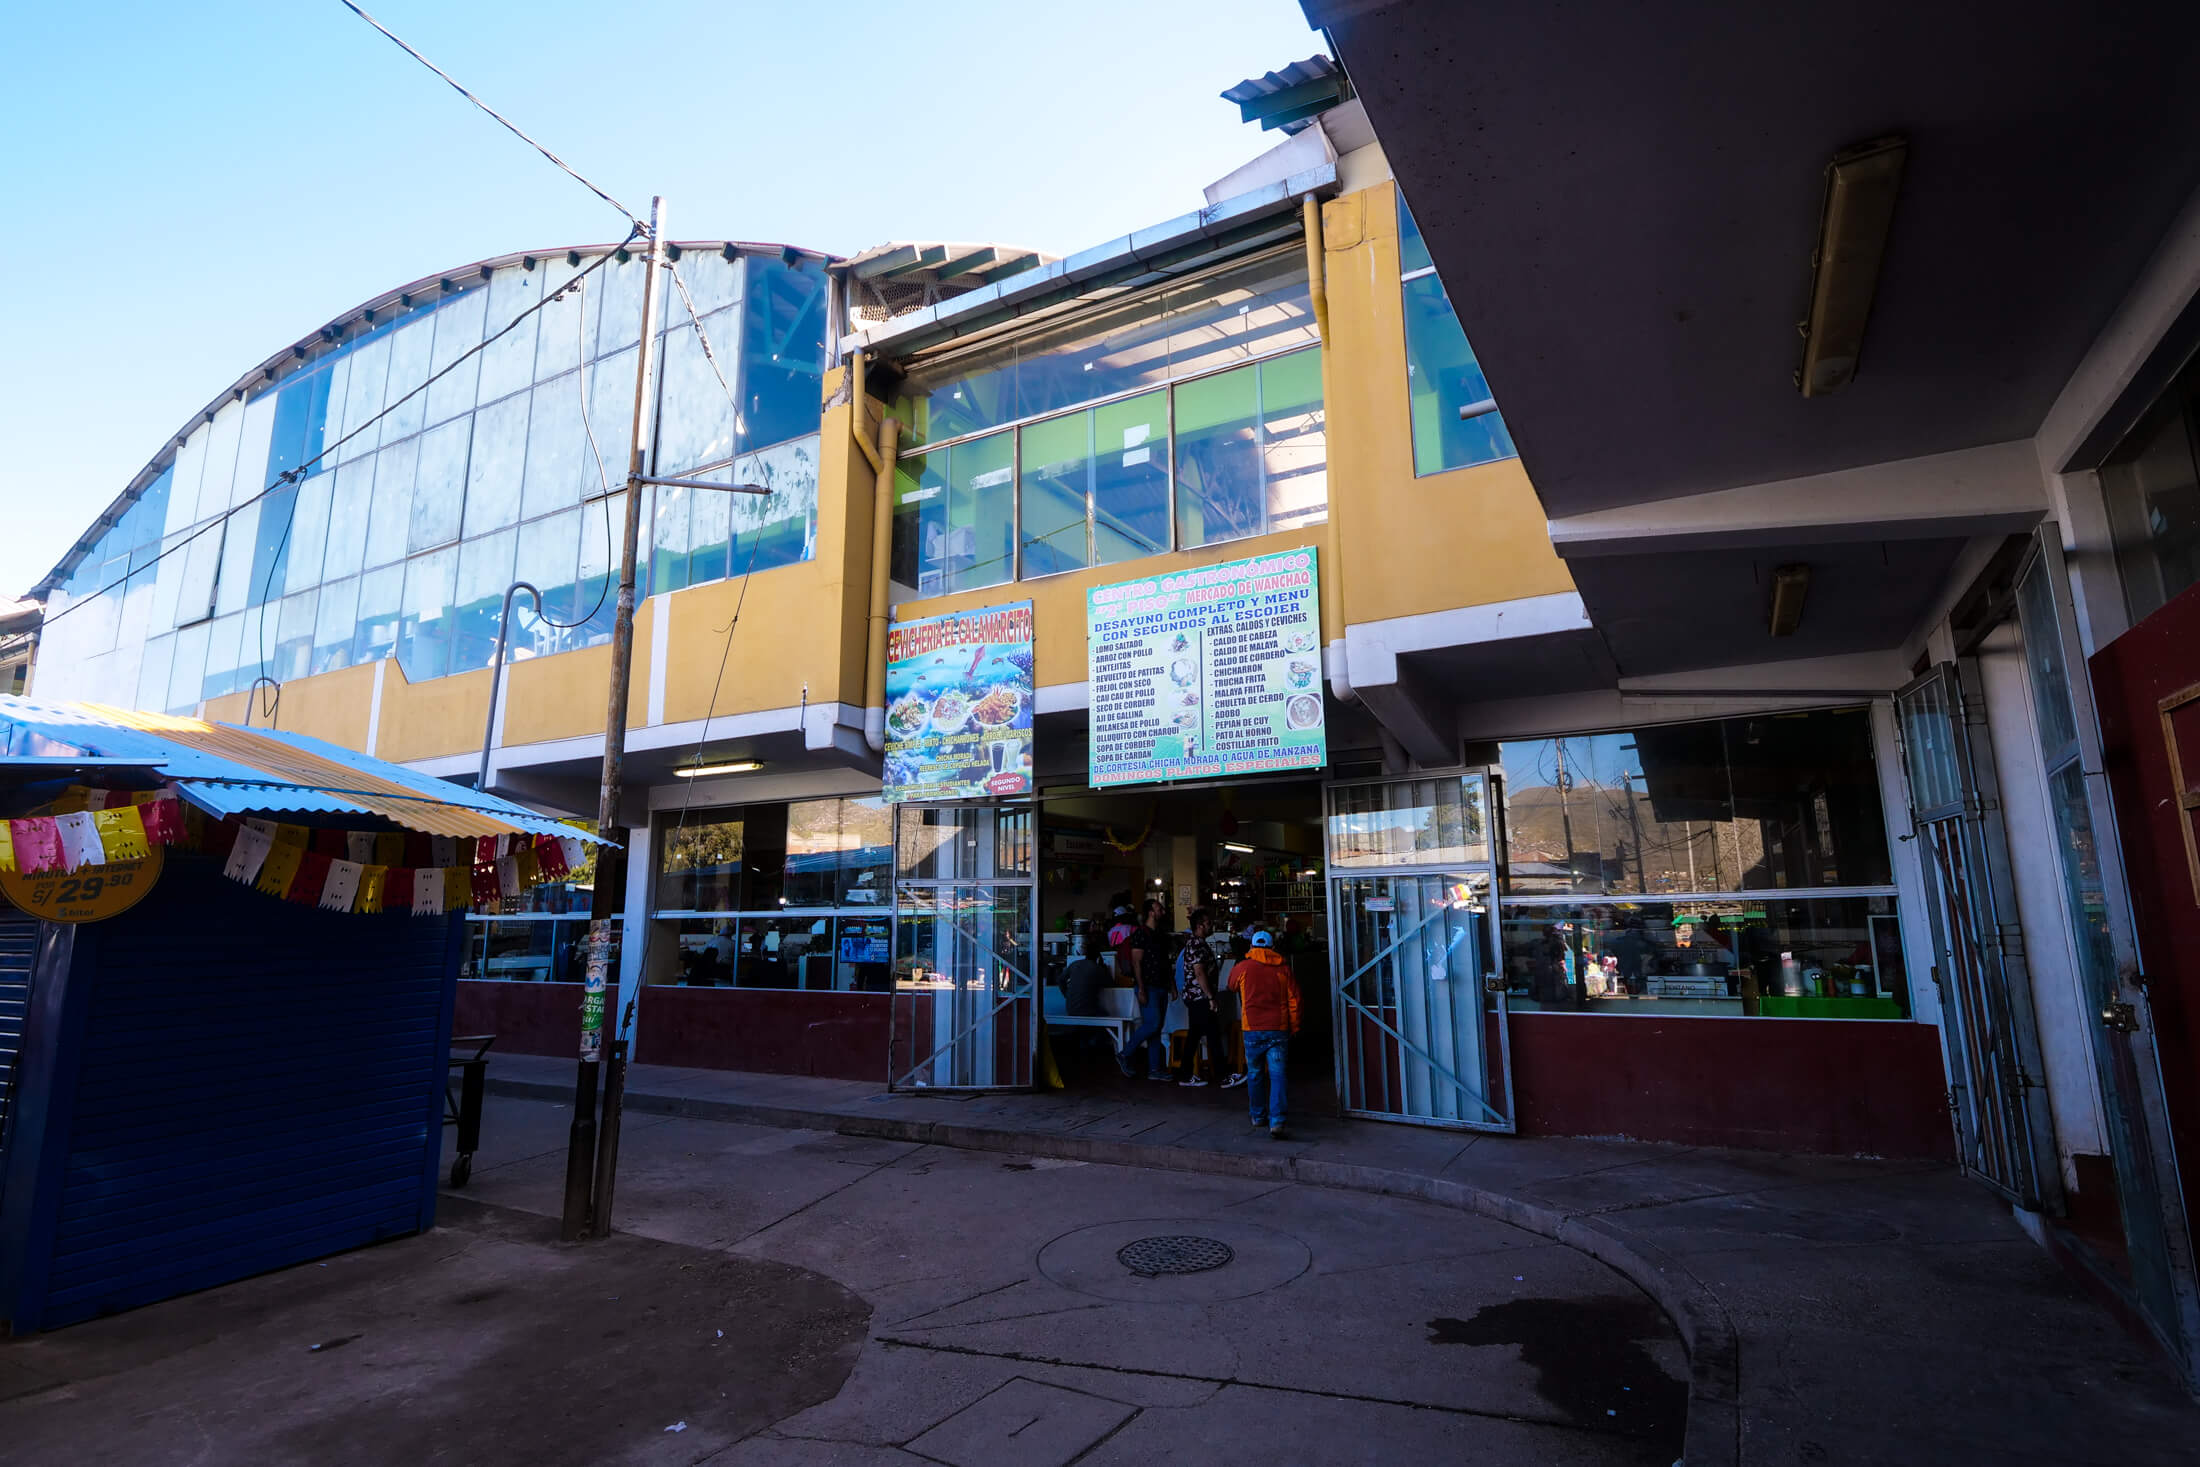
column 1147, row 949
column 1268, row 998
column 1199, row 980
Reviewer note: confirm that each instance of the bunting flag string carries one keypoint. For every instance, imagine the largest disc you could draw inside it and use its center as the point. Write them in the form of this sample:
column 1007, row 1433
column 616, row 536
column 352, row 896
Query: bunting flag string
column 364, row 871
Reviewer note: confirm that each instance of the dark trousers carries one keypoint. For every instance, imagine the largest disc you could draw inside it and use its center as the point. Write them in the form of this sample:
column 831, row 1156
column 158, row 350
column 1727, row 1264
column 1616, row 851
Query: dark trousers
column 1201, row 1025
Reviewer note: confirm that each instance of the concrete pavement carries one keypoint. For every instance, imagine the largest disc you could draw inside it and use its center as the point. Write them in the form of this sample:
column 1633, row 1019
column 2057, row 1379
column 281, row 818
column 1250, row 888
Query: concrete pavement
column 1833, row 1309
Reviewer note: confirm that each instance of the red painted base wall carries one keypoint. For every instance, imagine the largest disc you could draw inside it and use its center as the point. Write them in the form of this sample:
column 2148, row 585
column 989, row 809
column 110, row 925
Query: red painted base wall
column 1813, row 1085
column 527, row 1018
column 841, row 1036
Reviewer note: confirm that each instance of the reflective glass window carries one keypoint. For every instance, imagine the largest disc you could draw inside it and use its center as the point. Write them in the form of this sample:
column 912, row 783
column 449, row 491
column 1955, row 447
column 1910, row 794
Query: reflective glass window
column 222, row 643
column 252, row 472
column 782, row 351
column 953, row 516
column 600, row 531
column 455, row 375
column 301, row 416
column 549, row 560
column 271, row 549
column 2152, row 490
column 559, row 346
column 1455, row 419
column 611, row 420
column 153, row 674
column 439, row 485
column 381, row 596
column 701, row 863
column 1056, row 488
column 781, row 528
column 189, row 470
column 412, row 355
column 186, row 679
column 333, row 624
column 363, row 398
column 508, row 361
column 424, row 630
column 484, row 574
column 291, row 651
column 350, row 507
column 1251, row 455
column 695, row 418
column 672, row 518
column 495, row 465
column 713, row 282
column 558, row 465
column 309, row 523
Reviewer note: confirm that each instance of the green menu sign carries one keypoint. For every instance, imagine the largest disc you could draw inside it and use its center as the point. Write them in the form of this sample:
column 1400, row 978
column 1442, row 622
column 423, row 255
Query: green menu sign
column 1208, row 672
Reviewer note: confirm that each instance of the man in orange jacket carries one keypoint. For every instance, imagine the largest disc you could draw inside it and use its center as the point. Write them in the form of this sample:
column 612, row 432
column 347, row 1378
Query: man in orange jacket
column 1268, row 1000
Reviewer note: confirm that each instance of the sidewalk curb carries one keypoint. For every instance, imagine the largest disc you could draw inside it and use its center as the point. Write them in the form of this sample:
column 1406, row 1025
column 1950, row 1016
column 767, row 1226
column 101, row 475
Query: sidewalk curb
column 1714, row 1414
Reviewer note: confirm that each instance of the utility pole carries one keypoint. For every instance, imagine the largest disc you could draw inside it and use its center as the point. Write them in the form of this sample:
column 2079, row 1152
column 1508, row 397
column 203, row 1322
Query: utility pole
column 609, row 894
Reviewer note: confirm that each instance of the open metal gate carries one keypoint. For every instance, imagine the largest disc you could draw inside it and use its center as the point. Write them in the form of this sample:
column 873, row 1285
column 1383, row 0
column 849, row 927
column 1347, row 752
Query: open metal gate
column 966, row 1008
column 2005, row 1133
column 1419, row 1002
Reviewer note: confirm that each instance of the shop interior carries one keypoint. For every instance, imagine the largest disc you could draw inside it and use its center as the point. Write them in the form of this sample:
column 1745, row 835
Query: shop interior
column 1251, row 854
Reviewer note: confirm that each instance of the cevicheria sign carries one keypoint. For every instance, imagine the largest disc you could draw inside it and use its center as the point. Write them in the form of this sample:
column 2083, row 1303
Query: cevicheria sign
column 958, row 705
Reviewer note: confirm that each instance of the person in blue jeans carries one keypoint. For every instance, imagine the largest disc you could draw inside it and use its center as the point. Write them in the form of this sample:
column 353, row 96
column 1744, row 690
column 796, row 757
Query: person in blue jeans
column 1147, row 950
column 1268, row 997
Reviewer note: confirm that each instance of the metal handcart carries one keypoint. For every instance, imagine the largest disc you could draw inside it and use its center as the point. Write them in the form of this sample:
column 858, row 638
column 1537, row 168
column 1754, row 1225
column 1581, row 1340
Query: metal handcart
column 462, row 1106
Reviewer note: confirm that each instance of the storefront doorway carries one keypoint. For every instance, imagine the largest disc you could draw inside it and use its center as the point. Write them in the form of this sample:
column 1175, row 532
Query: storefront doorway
column 1420, row 1004
column 965, row 1001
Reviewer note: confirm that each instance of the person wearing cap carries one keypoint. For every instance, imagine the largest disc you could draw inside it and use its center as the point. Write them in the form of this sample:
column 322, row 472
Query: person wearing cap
column 1268, row 1000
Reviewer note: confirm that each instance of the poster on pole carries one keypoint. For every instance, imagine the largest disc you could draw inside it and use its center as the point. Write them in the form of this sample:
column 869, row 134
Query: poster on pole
column 958, row 705
column 1206, row 673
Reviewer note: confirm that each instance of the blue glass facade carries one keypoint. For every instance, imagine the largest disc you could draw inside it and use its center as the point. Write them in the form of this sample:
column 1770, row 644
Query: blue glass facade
column 419, row 501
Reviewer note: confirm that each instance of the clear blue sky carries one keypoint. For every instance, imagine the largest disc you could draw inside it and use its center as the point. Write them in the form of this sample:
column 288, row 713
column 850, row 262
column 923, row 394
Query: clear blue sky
column 191, row 187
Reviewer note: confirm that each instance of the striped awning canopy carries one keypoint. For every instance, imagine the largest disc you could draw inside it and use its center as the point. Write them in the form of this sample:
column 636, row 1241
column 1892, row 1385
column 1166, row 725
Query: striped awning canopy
column 227, row 770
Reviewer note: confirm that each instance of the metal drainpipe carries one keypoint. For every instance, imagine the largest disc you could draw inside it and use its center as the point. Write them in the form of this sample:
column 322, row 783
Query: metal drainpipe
column 858, row 414
column 882, row 542
column 1317, row 294
column 496, row 677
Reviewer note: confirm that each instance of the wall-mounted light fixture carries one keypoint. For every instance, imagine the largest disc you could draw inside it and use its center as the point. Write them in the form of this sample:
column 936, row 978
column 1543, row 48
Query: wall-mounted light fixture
column 1861, row 185
column 1243, row 850
column 735, row 766
column 1790, row 584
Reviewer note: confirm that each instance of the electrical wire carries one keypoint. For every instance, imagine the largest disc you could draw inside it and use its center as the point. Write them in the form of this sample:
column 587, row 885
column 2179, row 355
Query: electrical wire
column 501, row 119
column 295, row 474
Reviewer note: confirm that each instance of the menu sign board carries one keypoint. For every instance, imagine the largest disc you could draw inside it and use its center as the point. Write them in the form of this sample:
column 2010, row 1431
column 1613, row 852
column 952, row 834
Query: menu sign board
column 958, row 705
column 1207, row 672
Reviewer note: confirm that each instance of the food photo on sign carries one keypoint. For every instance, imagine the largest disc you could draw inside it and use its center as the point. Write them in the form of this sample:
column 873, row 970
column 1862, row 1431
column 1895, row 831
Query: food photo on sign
column 959, row 705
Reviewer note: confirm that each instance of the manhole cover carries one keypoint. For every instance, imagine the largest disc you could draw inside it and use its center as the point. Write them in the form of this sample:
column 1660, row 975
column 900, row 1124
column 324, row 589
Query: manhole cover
column 1173, row 1253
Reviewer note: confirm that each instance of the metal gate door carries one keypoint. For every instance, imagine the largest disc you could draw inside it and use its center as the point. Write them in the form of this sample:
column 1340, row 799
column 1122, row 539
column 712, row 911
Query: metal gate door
column 965, row 1004
column 1419, row 1007
column 2005, row 1134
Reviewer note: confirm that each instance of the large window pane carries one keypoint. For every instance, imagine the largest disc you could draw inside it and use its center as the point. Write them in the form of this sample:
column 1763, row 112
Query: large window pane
column 782, row 351
column 952, row 516
column 412, row 353
column 1130, row 478
column 188, row 475
column 484, row 574
column 363, row 399
column 559, row 347
column 495, row 465
column 1455, row 421
column 153, row 674
column 186, row 680
column 381, row 596
column 508, row 361
column 601, row 528
column 292, row 653
column 672, row 518
column 610, row 388
column 1218, row 460
column 256, row 427
column 710, row 527
column 351, row 502
column 695, row 421
column 334, row 623
column 1294, row 441
column 1057, row 483
column 424, row 631
column 457, row 332
column 271, row 551
column 1247, row 311
column 549, row 560
column 301, row 418
column 780, row 528
column 309, row 524
column 439, row 488
column 1762, row 956
column 2152, row 488
column 702, row 862
column 557, row 449
column 221, row 656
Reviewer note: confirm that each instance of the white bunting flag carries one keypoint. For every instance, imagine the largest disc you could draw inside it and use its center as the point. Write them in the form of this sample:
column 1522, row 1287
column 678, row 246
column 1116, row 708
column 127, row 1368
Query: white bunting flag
column 508, row 874
column 445, row 850
column 341, row 888
column 574, row 849
column 427, row 892
column 359, row 845
column 80, row 843
column 246, row 857
column 264, row 827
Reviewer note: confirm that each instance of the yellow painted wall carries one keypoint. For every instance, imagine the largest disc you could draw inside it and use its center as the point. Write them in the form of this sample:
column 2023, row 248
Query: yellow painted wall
column 1409, row 545
column 334, row 706
column 1403, row 546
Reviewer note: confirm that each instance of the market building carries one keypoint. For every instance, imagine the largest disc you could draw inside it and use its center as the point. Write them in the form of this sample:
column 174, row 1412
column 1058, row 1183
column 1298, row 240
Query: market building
column 1965, row 490
column 1205, row 568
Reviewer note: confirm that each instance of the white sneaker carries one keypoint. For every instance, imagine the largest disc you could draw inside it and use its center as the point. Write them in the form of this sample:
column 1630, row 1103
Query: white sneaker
column 1233, row 1082
column 1194, row 1083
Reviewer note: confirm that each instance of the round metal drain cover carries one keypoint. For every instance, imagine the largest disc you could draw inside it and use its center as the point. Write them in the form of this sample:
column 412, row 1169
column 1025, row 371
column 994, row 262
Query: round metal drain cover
column 1173, row 1253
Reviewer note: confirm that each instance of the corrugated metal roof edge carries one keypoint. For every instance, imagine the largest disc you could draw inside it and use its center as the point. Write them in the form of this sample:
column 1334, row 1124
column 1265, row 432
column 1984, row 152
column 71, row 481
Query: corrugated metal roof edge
column 1020, row 294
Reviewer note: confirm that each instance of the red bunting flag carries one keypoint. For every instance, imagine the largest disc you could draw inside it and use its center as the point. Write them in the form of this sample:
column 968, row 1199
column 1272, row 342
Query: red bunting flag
column 550, row 854
column 488, row 890
column 330, row 843
column 312, row 877
column 37, row 844
column 163, row 817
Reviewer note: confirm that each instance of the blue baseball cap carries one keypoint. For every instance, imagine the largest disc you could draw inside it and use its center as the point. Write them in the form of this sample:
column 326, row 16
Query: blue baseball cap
column 1260, row 937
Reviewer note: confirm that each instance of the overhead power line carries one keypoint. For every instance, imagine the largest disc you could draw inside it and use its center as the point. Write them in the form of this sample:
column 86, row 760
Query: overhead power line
column 505, row 122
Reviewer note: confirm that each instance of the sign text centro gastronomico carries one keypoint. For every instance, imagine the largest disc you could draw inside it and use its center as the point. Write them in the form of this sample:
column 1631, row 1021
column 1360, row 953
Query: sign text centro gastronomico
column 959, row 705
column 1207, row 672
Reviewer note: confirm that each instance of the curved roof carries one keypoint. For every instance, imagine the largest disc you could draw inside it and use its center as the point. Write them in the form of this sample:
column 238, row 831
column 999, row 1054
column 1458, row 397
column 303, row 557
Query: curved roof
column 363, row 317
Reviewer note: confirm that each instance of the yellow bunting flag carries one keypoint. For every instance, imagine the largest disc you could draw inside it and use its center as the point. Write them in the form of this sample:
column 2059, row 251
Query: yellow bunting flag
column 122, row 833
column 389, row 848
column 530, row 869
column 281, row 866
column 458, row 888
column 371, row 882
column 293, row 835
column 7, row 846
